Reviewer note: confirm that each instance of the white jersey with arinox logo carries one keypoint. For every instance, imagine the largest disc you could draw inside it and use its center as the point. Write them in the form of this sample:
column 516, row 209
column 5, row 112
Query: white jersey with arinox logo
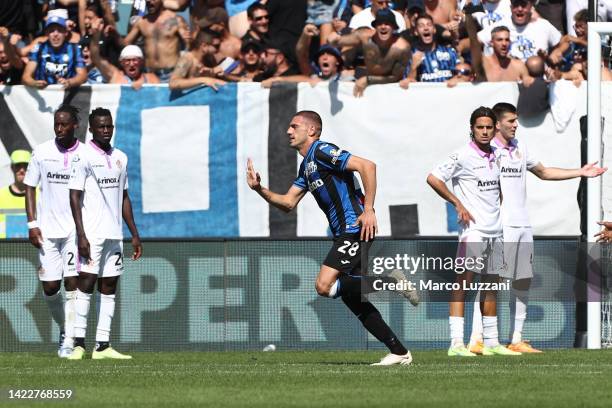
column 102, row 177
column 475, row 178
column 514, row 162
column 50, row 167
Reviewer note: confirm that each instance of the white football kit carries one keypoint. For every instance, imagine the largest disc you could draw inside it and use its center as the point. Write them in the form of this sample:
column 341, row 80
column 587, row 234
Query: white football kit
column 474, row 175
column 49, row 167
column 515, row 160
column 102, row 177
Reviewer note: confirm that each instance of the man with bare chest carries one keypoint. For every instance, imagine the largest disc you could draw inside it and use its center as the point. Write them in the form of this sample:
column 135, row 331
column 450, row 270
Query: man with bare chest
column 163, row 32
column 498, row 66
column 385, row 53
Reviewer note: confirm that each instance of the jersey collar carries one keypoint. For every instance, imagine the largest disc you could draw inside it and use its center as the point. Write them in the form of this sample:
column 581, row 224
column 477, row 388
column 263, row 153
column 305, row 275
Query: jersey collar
column 102, row 152
column 489, row 156
column 65, row 151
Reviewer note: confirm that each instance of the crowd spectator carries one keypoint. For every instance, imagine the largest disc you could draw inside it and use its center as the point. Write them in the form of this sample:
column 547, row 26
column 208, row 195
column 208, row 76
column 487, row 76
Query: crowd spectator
column 110, row 41
column 259, row 24
column 216, row 21
column 195, row 68
column 386, row 54
column 572, row 47
column 55, row 61
column 249, row 64
column 162, row 30
column 528, row 36
column 498, row 66
column 462, row 73
column 365, row 17
column 131, row 61
column 329, row 63
column 276, row 64
column 94, row 76
column 431, row 61
column 11, row 66
column 604, row 11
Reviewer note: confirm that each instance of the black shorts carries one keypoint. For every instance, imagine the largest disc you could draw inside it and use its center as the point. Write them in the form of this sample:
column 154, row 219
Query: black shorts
column 347, row 254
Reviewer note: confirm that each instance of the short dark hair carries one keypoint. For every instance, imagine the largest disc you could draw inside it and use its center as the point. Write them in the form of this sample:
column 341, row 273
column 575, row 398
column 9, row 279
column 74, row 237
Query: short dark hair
column 482, row 112
column 254, row 7
column 203, row 37
column 314, row 118
column 499, row 29
column 98, row 112
column 425, row 16
column 73, row 111
column 501, row 108
column 582, row 16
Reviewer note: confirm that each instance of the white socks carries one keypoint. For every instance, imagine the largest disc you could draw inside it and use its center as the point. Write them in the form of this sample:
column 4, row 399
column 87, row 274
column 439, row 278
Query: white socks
column 476, row 321
column 456, row 330
column 519, row 308
column 56, row 307
column 106, row 310
column 81, row 307
column 69, row 315
column 489, row 331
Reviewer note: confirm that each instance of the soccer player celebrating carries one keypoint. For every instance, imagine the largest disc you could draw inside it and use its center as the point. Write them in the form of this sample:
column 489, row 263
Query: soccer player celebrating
column 99, row 200
column 327, row 172
column 475, row 178
column 50, row 226
column 515, row 160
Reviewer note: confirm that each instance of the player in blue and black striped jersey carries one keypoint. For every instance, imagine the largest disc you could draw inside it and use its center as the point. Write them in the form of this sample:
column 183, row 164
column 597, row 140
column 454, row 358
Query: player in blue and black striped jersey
column 327, row 172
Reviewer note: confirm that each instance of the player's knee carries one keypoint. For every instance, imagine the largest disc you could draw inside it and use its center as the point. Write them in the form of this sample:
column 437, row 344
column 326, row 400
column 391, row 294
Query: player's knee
column 87, row 281
column 71, row 283
column 50, row 288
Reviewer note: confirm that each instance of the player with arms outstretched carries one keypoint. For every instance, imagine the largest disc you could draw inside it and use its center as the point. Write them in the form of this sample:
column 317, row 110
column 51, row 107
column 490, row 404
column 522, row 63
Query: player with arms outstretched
column 99, row 201
column 327, row 172
column 50, row 224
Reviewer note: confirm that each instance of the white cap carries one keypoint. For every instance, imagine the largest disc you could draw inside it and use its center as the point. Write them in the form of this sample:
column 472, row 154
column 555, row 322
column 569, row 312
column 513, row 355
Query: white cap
column 131, row 51
column 62, row 13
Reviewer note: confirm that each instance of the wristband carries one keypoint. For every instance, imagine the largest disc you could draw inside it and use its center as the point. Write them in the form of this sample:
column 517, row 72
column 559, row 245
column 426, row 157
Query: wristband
column 33, row 224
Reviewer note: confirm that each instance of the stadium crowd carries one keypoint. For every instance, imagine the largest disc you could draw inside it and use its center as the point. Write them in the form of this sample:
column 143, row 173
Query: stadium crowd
column 189, row 43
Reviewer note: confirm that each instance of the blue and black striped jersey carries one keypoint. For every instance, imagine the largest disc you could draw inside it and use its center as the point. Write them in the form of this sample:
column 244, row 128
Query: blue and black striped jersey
column 54, row 64
column 438, row 64
column 336, row 190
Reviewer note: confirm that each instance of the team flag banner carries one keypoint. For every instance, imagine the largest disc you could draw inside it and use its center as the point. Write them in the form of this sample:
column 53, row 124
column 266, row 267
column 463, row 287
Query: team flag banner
column 188, row 151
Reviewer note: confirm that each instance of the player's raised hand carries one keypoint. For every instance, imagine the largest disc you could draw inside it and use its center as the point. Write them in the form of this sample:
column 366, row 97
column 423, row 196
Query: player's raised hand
column 464, row 215
column 83, row 246
column 591, row 170
column 253, row 177
column 369, row 225
column 605, row 235
column 35, row 237
column 137, row 246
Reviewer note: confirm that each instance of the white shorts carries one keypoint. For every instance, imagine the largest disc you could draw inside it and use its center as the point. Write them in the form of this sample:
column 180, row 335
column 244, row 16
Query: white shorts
column 518, row 252
column 58, row 258
column 106, row 258
column 480, row 254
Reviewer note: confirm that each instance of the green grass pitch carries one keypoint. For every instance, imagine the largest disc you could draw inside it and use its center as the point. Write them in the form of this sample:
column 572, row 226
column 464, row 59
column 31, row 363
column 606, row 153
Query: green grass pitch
column 559, row 378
